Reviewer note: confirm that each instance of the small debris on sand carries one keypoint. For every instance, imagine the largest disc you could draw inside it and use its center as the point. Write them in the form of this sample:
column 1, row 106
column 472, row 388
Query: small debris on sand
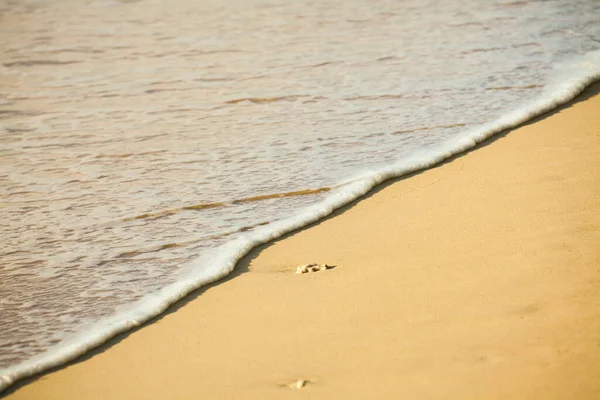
column 303, row 269
column 299, row 384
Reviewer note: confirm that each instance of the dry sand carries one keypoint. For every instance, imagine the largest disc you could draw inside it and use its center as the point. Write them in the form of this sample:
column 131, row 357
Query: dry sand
column 478, row 279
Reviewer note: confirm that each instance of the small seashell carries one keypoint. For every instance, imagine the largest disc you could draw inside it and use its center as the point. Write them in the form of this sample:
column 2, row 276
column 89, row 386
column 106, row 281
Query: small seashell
column 302, row 269
column 300, row 383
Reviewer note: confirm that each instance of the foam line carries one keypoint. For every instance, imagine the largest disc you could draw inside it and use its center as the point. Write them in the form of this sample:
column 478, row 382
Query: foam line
column 207, row 269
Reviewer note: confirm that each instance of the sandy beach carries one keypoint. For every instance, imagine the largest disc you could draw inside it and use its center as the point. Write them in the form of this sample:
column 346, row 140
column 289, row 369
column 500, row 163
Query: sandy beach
column 477, row 279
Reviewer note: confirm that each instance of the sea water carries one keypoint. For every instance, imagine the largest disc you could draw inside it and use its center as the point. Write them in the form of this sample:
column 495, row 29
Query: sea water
column 146, row 145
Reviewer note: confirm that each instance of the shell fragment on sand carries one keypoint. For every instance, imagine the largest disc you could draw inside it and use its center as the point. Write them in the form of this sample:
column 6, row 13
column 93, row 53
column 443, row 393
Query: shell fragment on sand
column 303, row 269
column 299, row 384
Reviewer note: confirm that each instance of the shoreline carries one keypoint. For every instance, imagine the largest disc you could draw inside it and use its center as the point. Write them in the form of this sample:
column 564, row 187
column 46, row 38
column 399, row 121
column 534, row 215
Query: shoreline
column 356, row 239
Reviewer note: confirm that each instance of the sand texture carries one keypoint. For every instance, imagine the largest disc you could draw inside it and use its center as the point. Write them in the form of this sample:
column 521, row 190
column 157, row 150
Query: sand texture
column 478, row 279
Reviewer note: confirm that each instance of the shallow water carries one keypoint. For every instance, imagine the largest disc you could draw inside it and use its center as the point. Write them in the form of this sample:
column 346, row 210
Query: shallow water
column 138, row 138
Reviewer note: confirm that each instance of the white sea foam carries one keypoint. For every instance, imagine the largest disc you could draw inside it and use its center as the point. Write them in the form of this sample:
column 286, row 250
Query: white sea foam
column 570, row 79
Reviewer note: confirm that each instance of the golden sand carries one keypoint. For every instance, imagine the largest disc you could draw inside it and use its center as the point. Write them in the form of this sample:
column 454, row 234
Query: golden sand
column 478, row 279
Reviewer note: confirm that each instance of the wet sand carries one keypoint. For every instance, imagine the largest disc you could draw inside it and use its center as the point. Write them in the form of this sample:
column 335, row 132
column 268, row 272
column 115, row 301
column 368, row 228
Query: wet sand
column 476, row 279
